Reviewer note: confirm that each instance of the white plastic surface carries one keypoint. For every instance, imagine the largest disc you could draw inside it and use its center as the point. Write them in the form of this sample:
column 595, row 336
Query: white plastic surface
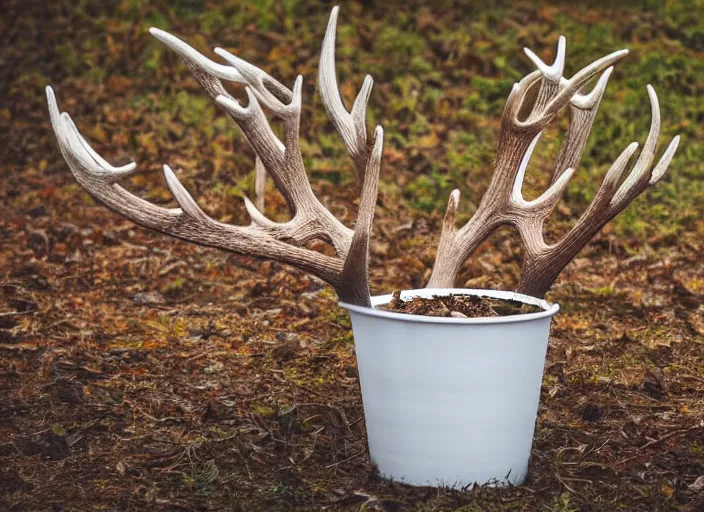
column 451, row 401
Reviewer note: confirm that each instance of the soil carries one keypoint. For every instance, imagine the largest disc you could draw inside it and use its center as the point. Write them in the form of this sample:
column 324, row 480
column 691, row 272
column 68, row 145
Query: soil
column 458, row 306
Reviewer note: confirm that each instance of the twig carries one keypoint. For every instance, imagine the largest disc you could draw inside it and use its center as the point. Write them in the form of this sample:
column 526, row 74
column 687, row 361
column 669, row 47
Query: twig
column 347, row 459
column 674, row 433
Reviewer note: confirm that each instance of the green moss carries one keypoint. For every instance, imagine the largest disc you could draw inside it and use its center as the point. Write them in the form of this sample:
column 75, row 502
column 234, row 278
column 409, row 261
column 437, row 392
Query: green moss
column 339, row 317
column 173, row 287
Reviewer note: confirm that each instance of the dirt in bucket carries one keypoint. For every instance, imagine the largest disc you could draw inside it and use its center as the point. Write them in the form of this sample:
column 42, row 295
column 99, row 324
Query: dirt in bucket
column 458, row 306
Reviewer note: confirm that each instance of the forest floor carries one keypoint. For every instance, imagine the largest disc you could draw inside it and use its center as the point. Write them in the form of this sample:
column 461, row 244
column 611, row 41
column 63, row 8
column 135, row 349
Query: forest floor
column 142, row 373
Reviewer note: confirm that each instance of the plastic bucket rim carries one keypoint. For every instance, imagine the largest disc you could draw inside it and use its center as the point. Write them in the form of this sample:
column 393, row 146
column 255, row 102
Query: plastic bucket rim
column 549, row 308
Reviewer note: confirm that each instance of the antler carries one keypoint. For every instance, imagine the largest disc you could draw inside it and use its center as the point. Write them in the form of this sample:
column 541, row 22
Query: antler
column 533, row 103
column 350, row 125
column 284, row 242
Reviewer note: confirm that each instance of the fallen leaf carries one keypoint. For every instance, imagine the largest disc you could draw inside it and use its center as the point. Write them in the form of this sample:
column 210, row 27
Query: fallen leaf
column 698, row 484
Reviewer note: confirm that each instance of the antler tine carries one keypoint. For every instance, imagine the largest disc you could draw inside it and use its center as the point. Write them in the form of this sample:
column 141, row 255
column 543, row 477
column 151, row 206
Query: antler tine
column 350, row 125
column 259, row 183
column 449, row 220
column 553, row 72
column 197, row 59
column 370, row 188
column 99, row 180
column 543, row 205
column 453, row 248
column 640, row 176
column 252, row 120
column 665, row 160
column 72, row 143
column 550, row 77
column 183, row 198
column 610, row 183
column 292, row 118
column 357, row 259
column 590, row 100
column 583, row 109
column 258, row 218
column 516, row 192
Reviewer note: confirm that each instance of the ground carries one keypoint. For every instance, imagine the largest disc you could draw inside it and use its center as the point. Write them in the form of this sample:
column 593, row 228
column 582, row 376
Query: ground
column 142, row 373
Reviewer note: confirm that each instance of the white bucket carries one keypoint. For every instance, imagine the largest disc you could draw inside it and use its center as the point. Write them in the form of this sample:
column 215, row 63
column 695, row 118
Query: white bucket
column 451, row 401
